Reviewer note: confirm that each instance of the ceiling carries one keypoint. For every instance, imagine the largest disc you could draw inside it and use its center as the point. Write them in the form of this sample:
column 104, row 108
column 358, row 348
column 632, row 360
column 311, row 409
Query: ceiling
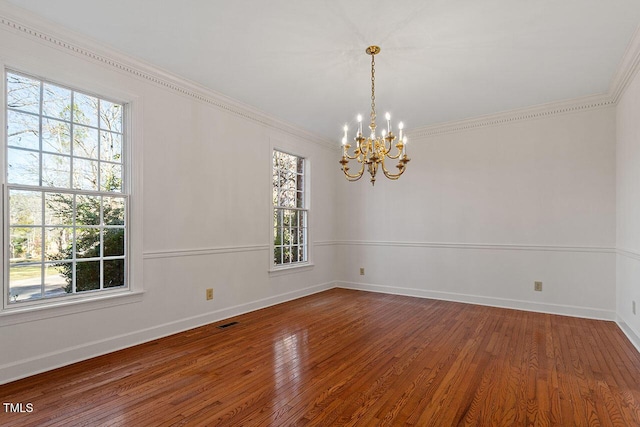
column 304, row 61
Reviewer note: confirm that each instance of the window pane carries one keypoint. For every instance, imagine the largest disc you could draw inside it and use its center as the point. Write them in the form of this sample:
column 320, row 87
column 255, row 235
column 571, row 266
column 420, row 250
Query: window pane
column 58, row 209
column 85, row 142
column 25, row 207
column 278, row 218
column 87, row 276
column 87, row 242
column 113, row 273
column 110, row 146
column 57, row 279
column 23, row 130
column 286, row 255
column 85, row 109
column 280, row 191
column 85, row 174
column 24, row 167
column 23, row 93
column 277, row 236
column 110, row 116
column 113, row 239
column 58, row 243
column 87, row 210
column 276, row 185
column 56, row 170
column 113, row 210
column 286, row 236
column 56, row 136
column 25, row 282
column 25, row 243
column 110, row 177
column 291, row 218
column 56, row 102
column 289, row 198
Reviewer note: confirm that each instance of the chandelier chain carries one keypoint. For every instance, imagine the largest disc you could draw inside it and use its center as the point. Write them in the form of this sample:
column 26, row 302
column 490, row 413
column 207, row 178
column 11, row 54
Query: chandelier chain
column 373, row 91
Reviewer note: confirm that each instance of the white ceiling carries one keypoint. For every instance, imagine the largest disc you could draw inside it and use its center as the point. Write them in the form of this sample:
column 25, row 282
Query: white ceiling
column 303, row 61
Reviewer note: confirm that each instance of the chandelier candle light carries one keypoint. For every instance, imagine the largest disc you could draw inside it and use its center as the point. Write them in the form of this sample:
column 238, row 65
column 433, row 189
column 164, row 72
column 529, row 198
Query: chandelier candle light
column 372, row 151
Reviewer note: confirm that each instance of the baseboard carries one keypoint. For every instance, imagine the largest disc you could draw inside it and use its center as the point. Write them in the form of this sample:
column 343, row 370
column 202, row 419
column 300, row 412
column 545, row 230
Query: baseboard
column 633, row 337
column 46, row 362
column 565, row 310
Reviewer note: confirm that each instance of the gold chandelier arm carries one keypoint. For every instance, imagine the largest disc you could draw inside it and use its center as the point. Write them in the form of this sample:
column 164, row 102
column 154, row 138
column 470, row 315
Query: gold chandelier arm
column 366, row 148
column 356, row 153
column 352, row 177
column 388, row 143
column 399, row 146
column 401, row 168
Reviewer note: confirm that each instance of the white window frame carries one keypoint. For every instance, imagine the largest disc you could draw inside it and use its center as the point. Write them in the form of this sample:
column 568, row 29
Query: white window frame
column 14, row 313
column 290, row 148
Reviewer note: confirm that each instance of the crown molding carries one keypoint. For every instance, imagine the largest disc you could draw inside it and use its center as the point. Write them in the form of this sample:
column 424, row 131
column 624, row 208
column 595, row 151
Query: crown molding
column 506, row 117
column 627, row 68
column 25, row 23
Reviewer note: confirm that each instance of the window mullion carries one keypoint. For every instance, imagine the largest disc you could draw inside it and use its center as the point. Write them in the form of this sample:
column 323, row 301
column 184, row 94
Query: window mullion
column 99, row 152
column 40, row 146
column 101, row 231
column 72, row 144
column 73, row 244
column 42, row 244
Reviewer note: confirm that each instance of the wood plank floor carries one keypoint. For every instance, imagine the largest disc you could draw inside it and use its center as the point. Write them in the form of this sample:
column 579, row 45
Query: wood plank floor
column 345, row 357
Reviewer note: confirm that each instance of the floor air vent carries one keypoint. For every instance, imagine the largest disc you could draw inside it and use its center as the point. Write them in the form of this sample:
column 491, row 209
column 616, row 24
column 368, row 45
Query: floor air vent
column 227, row 325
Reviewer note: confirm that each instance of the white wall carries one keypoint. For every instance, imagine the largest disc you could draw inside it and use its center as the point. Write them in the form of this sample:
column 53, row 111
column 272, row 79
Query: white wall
column 481, row 214
column 628, row 209
column 207, row 217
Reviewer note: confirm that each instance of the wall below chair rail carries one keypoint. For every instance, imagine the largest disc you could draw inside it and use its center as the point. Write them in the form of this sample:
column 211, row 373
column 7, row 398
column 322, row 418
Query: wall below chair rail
column 491, row 276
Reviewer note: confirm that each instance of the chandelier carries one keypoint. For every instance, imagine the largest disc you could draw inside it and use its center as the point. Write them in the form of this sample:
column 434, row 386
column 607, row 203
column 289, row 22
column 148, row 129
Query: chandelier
column 371, row 151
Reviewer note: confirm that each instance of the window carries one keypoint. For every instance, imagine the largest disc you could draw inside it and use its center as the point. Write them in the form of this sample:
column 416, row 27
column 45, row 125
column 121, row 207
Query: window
column 66, row 229
column 290, row 211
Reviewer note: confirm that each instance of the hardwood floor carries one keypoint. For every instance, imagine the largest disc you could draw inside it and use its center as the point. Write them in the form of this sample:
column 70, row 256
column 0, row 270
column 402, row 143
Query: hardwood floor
column 346, row 357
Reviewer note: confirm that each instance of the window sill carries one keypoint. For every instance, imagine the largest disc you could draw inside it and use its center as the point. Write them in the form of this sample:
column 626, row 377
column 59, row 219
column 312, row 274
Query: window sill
column 16, row 315
column 290, row 269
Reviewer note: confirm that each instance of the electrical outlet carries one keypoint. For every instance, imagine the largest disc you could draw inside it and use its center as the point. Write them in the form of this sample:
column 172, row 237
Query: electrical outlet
column 209, row 294
column 537, row 286
column 362, row 271
column 633, row 307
